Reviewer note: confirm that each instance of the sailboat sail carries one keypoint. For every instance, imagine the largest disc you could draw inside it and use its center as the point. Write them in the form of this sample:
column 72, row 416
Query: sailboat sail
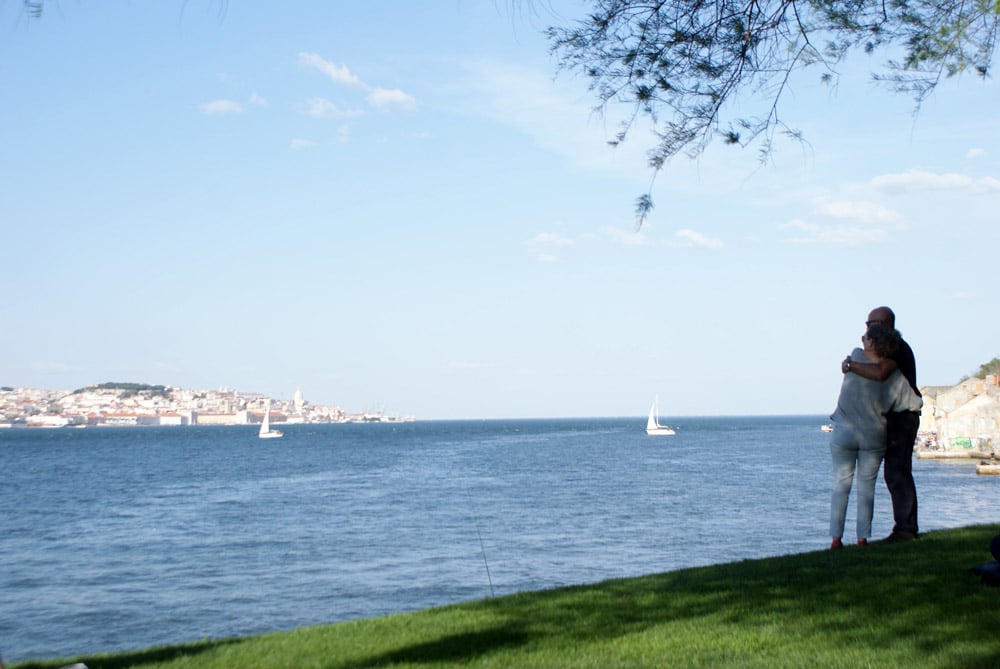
column 265, row 427
column 653, row 426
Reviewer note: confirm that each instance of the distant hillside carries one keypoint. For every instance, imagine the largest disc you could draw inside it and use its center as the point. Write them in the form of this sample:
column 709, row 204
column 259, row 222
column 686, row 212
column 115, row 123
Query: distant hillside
column 127, row 389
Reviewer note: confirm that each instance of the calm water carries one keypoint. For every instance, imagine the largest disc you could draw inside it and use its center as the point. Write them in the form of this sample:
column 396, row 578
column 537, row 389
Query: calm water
column 113, row 539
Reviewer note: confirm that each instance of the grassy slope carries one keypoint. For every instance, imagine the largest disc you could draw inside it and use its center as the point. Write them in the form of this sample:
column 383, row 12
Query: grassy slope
column 913, row 605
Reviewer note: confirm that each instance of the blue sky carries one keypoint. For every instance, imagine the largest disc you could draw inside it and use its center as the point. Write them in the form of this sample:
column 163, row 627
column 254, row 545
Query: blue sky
column 390, row 205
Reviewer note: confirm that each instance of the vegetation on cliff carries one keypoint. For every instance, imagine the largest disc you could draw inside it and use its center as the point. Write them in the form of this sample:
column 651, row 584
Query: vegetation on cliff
column 991, row 368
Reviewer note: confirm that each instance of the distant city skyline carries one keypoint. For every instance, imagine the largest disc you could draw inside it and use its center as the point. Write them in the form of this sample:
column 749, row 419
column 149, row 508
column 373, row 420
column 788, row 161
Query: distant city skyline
column 125, row 403
column 394, row 205
column 296, row 396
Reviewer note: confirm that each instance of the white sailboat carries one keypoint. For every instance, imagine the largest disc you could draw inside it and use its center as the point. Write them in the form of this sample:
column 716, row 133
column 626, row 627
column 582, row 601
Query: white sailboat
column 265, row 427
column 653, row 426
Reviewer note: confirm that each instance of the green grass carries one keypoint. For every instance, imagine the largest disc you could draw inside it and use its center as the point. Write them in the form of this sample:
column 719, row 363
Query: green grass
column 889, row 605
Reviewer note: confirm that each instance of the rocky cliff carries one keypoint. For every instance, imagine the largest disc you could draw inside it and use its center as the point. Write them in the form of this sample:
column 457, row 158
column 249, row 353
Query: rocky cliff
column 962, row 417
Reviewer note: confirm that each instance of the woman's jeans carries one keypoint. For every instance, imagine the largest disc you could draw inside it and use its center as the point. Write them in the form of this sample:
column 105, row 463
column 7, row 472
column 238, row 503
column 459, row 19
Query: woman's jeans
column 851, row 452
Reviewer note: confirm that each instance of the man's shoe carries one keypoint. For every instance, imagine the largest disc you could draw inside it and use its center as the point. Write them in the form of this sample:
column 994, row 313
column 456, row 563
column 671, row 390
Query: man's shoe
column 837, row 544
column 862, row 542
column 899, row 537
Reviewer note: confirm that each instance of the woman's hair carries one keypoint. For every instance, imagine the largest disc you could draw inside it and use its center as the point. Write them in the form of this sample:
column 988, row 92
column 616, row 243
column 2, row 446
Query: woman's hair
column 885, row 340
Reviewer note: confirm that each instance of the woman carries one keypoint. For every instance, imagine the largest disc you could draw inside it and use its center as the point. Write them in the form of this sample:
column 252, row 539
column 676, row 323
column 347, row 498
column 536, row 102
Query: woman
column 858, row 440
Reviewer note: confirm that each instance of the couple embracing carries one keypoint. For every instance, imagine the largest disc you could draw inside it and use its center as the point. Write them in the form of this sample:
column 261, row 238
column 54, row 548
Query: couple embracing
column 877, row 417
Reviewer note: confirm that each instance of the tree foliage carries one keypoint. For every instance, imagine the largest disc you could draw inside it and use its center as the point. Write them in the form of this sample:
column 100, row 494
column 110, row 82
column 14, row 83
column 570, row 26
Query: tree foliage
column 991, row 368
column 128, row 389
column 682, row 63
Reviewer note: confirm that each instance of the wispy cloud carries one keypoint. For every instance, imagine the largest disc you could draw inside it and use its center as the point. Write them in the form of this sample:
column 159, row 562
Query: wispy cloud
column 552, row 239
column 558, row 116
column 847, row 223
column 544, row 246
column 547, row 247
column 383, row 97
column 221, row 107
column 625, row 237
column 844, row 234
column 975, row 153
column 257, row 100
column 343, row 135
column 323, row 108
column 693, row 238
column 920, row 181
column 300, row 144
column 861, row 211
column 340, row 74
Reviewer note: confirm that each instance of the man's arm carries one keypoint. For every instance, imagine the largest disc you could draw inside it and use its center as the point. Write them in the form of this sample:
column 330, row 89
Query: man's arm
column 876, row 371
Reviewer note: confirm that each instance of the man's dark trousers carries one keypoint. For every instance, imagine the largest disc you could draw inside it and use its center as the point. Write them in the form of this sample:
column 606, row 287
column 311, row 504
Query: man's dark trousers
column 901, row 433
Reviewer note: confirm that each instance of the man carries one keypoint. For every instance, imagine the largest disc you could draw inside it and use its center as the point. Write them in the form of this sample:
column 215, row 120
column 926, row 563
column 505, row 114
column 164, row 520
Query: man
column 901, row 430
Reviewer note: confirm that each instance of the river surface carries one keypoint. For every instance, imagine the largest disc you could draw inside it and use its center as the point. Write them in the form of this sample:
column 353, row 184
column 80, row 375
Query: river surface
column 123, row 538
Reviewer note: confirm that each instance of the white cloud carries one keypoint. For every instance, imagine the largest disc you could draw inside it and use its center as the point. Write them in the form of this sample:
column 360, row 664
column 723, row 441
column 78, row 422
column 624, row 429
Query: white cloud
column 558, row 116
column 544, row 245
column 855, row 222
column 625, row 237
column 917, row 180
column 692, row 238
column 337, row 73
column 222, row 107
column 552, row 239
column 975, row 153
column 383, row 97
column 844, row 234
column 257, row 100
column 343, row 135
column 377, row 96
column 863, row 212
column 323, row 108
column 299, row 144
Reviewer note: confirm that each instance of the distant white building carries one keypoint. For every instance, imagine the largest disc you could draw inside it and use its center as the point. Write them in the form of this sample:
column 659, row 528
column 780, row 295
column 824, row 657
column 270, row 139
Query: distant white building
column 47, row 421
column 219, row 418
column 174, row 419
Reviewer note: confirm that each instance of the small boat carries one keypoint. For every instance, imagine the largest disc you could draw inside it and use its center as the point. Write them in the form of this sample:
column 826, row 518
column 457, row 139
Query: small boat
column 826, row 428
column 265, row 427
column 653, row 426
column 988, row 468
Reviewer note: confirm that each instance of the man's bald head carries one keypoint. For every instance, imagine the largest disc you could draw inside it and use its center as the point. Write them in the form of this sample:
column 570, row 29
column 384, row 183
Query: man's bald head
column 883, row 316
